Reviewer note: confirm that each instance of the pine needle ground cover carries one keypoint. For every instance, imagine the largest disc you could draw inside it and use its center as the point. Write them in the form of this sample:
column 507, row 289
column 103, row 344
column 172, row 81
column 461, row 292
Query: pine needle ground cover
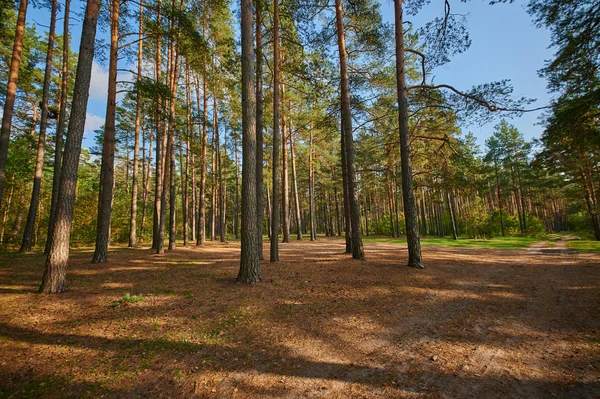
column 477, row 322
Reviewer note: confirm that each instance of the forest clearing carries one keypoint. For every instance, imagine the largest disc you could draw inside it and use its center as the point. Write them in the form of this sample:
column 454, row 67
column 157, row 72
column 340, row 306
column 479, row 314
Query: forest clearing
column 477, row 322
column 300, row 199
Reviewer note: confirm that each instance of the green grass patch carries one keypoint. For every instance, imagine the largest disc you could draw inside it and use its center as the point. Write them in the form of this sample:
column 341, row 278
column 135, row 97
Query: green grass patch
column 584, row 245
column 497, row 242
column 126, row 300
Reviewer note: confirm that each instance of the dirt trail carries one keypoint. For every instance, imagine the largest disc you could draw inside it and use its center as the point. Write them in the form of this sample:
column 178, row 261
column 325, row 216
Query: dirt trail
column 476, row 323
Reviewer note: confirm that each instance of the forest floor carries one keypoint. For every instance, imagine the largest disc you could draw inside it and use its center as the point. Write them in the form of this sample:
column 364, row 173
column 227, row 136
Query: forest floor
column 476, row 323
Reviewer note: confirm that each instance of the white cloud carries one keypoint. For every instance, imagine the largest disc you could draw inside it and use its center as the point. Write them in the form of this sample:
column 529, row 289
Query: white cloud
column 92, row 122
column 99, row 83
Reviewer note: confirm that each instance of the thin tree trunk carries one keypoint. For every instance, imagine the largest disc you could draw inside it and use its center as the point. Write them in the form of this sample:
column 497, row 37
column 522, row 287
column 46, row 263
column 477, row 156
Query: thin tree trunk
column 157, row 237
column 499, row 198
column 236, row 221
column 276, row 139
column 146, row 183
column 136, row 145
column 285, row 190
column 452, row 216
column 259, row 135
column 295, row 187
column 39, row 161
column 354, row 205
column 107, row 171
column 60, row 127
column 311, row 187
column 222, row 221
column 6, row 210
column 408, row 195
column 54, row 279
column 249, row 262
column 204, row 141
column 11, row 91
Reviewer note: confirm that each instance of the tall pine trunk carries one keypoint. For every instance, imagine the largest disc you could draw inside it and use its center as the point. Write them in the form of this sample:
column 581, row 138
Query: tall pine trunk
column 107, row 171
column 39, row 161
column 348, row 142
column 276, row 139
column 259, row 135
column 295, row 187
column 285, row 190
column 11, row 92
column 55, row 272
column 60, row 127
column 249, row 262
column 136, row 145
column 408, row 195
column 201, row 238
column 311, row 188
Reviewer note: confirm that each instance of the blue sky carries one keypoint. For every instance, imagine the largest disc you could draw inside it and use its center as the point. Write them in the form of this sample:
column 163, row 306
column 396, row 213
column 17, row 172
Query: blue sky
column 505, row 45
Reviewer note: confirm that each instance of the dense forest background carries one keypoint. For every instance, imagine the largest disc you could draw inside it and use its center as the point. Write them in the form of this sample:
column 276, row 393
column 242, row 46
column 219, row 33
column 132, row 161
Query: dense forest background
column 183, row 107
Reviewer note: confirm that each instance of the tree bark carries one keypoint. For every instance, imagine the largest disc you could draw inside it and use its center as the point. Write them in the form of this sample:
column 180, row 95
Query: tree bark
column 410, row 206
column 201, row 238
column 295, row 187
column 311, row 187
column 249, row 262
column 60, row 127
column 39, row 162
column 259, row 135
column 107, row 172
column 11, row 92
column 285, row 190
column 157, row 237
column 354, row 204
column 136, row 145
column 276, row 138
column 499, row 198
column 54, row 279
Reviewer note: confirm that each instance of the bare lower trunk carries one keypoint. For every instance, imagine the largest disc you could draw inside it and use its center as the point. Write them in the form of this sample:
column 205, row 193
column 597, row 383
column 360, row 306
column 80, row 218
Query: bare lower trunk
column 157, row 235
column 348, row 149
column 11, row 91
column 107, row 172
column 285, row 191
column 249, row 265
column 276, row 139
column 201, row 238
column 136, row 145
column 60, row 127
column 54, row 279
column 39, row 162
column 311, row 188
column 295, row 188
column 259, row 134
column 408, row 195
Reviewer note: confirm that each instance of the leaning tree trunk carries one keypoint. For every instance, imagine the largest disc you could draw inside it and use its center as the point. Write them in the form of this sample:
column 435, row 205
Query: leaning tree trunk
column 11, row 92
column 136, row 145
column 276, row 139
column 54, row 279
column 348, row 149
column 107, row 171
column 60, row 127
column 408, row 195
column 259, row 134
column 249, row 265
column 39, row 161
